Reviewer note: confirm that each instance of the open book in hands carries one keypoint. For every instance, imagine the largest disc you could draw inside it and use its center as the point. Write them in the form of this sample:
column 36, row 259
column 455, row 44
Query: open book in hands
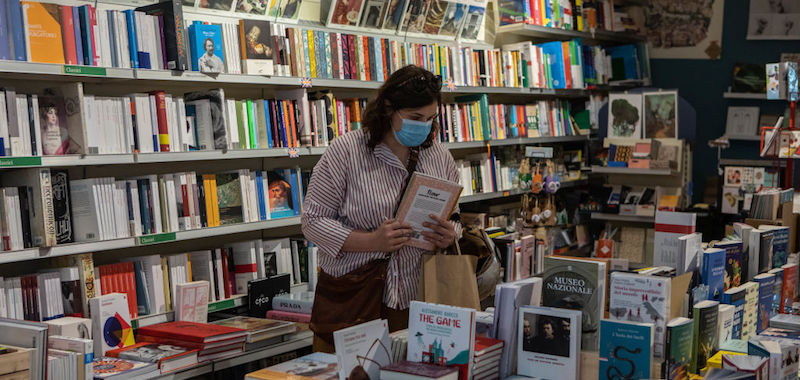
column 426, row 195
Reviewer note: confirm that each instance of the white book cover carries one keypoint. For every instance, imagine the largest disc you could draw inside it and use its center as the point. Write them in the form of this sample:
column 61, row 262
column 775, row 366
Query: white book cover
column 192, row 302
column 203, row 270
column 549, row 342
column 84, row 347
column 641, row 298
column 84, row 207
column 669, row 227
column 442, row 334
column 154, row 275
column 244, row 255
column 4, row 312
column 111, row 322
column 690, row 252
column 725, row 323
column 363, row 347
column 509, row 297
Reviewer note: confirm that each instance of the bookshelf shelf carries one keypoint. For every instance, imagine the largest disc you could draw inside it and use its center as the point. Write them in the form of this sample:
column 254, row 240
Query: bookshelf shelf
column 345, row 84
column 745, row 138
column 632, row 171
column 195, row 76
column 21, row 255
column 188, row 373
column 301, row 341
column 487, row 196
column 87, row 247
column 744, row 95
column 543, row 32
column 49, row 71
column 623, row 218
column 538, row 140
column 200, row 233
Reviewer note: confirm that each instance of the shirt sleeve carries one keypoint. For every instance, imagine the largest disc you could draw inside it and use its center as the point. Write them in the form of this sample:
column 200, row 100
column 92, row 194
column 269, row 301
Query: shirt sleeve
column 452, row 175
column 324, row 198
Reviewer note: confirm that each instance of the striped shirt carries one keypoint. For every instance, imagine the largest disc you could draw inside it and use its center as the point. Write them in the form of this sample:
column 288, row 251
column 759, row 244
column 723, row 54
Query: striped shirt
column 353, row 188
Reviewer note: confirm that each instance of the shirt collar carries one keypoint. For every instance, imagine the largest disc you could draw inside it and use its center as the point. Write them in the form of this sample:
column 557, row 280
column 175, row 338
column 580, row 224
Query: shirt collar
column 383, row 153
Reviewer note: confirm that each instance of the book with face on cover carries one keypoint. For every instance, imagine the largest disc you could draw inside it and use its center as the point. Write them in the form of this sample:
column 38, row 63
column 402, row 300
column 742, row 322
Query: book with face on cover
column 549, row 342
column 363, row 348
column 426, row 195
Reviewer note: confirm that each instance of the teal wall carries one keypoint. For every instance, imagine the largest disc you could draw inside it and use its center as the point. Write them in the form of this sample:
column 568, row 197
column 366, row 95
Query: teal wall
column 702, row 82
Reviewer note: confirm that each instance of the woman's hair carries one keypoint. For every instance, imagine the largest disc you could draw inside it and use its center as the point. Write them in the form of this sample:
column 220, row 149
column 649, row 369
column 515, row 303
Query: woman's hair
column 409, row 87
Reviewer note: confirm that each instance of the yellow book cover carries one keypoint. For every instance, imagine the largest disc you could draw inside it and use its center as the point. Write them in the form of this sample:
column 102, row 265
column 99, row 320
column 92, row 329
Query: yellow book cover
column 43, row 32
column 311, row 54
column 165, row 278
column 209, row 191
column 335, row 119
column 189, row 266
column 215, row 201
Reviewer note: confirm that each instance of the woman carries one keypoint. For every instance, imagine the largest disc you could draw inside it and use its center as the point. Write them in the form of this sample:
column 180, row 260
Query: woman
column 351, row 202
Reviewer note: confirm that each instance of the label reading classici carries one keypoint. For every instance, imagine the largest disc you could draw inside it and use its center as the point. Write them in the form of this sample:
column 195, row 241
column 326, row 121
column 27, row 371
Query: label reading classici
column 85, row 70
column 157, row 238
column 6, row 162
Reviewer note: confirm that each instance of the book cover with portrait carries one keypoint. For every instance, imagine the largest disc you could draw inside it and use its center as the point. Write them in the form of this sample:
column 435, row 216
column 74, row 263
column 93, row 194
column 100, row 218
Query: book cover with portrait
column 53, row 124
column 257, row 47
column 206, row 45
column 345, row 13
column 549, row 342
column 284, row 199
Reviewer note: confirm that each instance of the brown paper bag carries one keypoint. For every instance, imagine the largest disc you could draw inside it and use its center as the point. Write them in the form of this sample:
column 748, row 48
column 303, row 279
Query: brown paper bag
column 449, row 280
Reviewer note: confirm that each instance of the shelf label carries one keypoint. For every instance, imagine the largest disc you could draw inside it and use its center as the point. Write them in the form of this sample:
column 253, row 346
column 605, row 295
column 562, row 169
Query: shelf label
column 221, row 305
column 85, row 70
column 7, row 162
column 157, row 238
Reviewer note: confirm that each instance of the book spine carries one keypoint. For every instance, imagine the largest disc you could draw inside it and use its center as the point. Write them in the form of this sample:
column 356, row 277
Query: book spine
column 94, row 36
column 292, row 305
column 76, row 23
column 17, row 30
column 290, row 317
column 161, row 115
column 67, row 33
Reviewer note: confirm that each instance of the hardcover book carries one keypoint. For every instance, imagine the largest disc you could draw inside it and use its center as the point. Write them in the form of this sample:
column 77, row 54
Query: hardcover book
column 114, row 368
column 549, row 342
column 426, row 195
column 705, row 333
column 713, row 272
column 192, row 332
column 169, row 358
column 300, row 302
column 626, row 349
column 363, row 348
column 257, row 47
column 766, row 292
column 679, row 351
column 443, row 335
column 261, row 293
column 733, row 262
column 258, row 328
column 411, row 370
column 578, row 285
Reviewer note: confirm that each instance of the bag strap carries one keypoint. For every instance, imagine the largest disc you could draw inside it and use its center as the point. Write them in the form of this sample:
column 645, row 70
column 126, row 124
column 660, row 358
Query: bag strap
column 413, row 159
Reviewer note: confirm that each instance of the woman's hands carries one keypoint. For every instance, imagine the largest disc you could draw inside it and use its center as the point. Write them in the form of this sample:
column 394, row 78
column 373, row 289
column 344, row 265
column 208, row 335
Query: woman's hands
column 391, row 236
column 443, row 233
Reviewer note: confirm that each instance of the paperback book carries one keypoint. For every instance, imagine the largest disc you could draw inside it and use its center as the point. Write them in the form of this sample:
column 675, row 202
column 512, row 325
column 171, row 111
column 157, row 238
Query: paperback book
column 442, row 334
column 363, row 348
column 549, row 342
column 705, row 333
column 679, row 348
column 626, row 349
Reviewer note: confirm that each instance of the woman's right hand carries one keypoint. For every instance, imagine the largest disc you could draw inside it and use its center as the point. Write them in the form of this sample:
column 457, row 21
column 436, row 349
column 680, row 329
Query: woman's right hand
column 391, row 236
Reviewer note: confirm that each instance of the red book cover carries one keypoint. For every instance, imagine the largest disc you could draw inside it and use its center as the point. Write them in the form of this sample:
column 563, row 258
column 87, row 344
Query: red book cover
column 566, row 64
column 292, row 123
column 537, row 12
column 226, row 277
column 485, row 345
column 334, row 56
column 130, row 286
column 192, row 331
column 384, row 59
column 367, row 58
column 789, row 282
column 35, row 302
column 105, row 287
column 161, row 115
column 26, row 298
column 117, row 286
column 288, row 316
column 93, row 22
column 68, row 35
column 185, row 196
column 351, row 47
column 207, row 348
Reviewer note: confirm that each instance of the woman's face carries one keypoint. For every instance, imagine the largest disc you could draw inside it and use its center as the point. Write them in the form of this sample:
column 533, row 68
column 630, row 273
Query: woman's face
column 52, row 116
column 425, row 113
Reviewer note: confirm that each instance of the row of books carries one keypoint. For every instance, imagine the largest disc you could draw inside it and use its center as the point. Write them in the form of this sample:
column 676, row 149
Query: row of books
column 32, row 125
column 572, row 15
column 42, row 207
column 154, row 284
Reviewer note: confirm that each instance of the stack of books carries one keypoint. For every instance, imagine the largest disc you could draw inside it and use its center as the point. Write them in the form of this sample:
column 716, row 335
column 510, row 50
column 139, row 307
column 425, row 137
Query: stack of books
column 211, row 341
column 399, row 345
column 168, row 358
column 488, row 353
column 294, row 307
column 260, row 332
column 106, row 368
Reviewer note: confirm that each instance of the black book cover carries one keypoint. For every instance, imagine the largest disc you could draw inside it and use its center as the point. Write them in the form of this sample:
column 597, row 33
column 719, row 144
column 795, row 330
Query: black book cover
column 261, row 292
column 201, row 197
column 71, row 298
column 25, row 209
column 61, row 206
column 33, row 115
column 302, row 257
column 373, row 73
column 216, row 99
column 175, row 41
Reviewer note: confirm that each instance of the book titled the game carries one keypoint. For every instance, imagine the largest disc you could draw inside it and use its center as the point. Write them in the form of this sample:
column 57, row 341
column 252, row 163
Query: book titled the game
column 426, row 195
column 444, row 335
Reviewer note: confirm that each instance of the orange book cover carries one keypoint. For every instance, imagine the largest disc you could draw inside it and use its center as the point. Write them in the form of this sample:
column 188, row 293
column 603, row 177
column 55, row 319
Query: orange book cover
column 385, row 61
column 242, row 40
column 566, row 64
column 426, row 195
column 189, row 266
column 215, row 203
column 367, row 58
column 129, row 285
column 104, row 286
column 209, row 199
column 43, row 32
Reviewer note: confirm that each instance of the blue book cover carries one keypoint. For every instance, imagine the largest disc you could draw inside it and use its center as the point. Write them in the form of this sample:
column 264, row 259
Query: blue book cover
column 76, row 22
column 282, row 193
column 206, row 46
column 295, row 182
column 5, row 43
column 548, row 14
column 133, row 48
column 307, row 61
column 17, row 31
column 319, row 50
column 378, row 58
column 129, row 196
column 780, row 245
column 626, row 350
column 713, row 273
column 326, row 40
column 736, row 298
column 766, row 292
column 268, row 123
column 627, row 55
column 555, row 52
column 86, row 35
column 142, row 306
column 262, row 206
column 733, row 262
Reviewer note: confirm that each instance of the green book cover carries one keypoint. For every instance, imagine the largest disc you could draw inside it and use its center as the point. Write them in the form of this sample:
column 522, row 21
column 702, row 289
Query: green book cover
column 578, row 285
column 705, row 333
column 251, row 125
column 229, row 198
column 241, row 120
column 680, row 348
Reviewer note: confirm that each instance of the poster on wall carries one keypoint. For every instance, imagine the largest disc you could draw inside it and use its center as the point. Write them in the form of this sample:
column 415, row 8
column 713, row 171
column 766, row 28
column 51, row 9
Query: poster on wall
column 685, row 29
column 774, row 20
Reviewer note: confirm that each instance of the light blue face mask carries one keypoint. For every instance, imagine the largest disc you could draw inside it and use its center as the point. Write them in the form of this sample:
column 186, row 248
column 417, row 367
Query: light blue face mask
column 413, row 132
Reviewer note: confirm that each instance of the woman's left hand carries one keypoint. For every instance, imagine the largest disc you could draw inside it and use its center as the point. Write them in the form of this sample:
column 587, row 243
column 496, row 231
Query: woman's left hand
column 442, row 233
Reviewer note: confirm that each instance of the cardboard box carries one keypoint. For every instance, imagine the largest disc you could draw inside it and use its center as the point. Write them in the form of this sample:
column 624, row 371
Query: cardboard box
column 16, row 361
